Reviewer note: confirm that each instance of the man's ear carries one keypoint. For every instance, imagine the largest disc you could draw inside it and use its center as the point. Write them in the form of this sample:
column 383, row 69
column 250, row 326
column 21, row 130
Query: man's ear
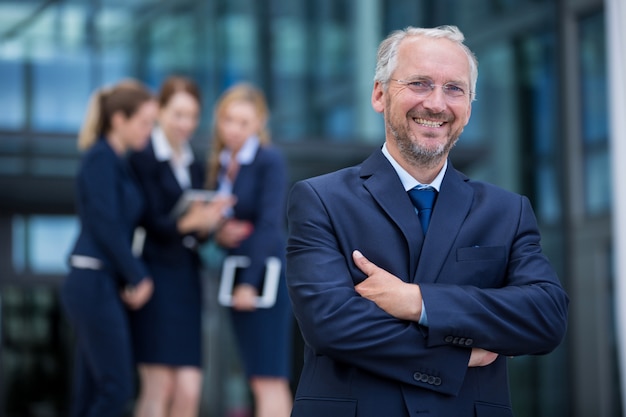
column 378, row 97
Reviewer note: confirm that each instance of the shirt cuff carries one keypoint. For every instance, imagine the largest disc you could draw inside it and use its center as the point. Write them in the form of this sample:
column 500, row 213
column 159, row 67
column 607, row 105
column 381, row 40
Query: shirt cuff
column 423, row 321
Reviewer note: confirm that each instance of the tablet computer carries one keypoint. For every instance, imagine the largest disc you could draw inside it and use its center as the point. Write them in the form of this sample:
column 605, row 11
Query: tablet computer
column 188, row 197
column 267, row 298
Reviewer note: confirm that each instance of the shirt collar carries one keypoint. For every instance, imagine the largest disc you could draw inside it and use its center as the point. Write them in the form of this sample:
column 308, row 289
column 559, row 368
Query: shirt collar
column 246, row 154
column 163, row 150
column 407, row 180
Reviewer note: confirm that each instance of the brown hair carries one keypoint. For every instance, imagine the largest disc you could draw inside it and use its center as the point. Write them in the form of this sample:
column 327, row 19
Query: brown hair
column 238, row 92
column 126, row 97
column 173, row 85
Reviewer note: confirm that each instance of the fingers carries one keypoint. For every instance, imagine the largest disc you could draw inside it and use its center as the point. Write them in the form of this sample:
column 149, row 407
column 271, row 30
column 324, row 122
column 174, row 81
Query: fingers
column 481, row 357
column 224, row 202
column 136, row 297
column 363, row 263
column 233, row 232
column 244, row 297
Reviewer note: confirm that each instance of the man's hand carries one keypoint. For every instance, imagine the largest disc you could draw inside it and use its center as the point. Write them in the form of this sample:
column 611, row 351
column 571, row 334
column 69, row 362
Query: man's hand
column 481, row 357
column 398, row 298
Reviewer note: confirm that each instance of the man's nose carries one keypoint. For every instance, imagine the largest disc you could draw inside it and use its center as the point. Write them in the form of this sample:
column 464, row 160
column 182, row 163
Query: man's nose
column 436, row 99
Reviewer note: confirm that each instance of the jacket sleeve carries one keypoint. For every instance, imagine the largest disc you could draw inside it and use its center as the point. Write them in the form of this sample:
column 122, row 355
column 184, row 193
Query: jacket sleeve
column 157, row 219
column 525, row 315
column 103, row 212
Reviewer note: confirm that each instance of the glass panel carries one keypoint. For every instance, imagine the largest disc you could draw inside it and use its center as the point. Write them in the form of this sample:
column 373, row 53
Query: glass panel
column 477, row 12
column 18, row 246
column 403, row 13
column 12, row 100
column 539, row 93
column 239, row 32
column 173, row 46
column 291, row 53
column 48, row 241
column 494, row 125
column 61, row 90
column 112, row 28
column 594, row 115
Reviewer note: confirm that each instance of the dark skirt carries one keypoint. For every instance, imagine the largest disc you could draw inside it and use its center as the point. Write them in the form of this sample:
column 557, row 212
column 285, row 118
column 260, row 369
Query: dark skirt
column 264, row 337
column 168, row 329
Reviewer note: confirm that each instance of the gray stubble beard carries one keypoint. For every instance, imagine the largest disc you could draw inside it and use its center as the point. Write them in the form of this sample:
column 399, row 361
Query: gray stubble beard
column 418, row 156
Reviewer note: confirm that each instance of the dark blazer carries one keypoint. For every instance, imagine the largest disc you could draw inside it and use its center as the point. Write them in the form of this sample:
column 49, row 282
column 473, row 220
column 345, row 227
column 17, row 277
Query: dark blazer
column 483, row 277
column 261, row 188
column 264, row 336
column 109, row 206
column 162, row 191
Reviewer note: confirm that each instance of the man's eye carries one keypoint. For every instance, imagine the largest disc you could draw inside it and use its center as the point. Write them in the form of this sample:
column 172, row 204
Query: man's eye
column 421, row 85
column 455, row 89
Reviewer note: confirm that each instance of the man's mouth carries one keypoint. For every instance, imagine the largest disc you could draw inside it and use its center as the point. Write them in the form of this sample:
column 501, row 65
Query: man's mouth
column 428, row 123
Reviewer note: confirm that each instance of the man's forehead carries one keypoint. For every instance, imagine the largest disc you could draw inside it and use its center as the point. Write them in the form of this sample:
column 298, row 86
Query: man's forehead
column 439, row 55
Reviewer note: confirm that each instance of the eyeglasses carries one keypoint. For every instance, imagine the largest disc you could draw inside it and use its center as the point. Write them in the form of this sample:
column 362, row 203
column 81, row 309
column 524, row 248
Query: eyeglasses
column 425, row 87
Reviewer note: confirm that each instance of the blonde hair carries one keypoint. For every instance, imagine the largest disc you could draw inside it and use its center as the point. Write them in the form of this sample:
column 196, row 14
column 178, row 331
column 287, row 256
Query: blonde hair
column 125, row 97
column 239, row 92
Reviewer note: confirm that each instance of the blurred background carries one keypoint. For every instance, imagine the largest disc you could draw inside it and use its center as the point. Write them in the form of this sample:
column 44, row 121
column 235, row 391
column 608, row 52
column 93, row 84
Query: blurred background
column 539, row 127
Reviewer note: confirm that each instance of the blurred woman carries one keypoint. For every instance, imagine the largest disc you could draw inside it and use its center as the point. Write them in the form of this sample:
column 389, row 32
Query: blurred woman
column 244, row 163
column 104, row 273
column 167, row 330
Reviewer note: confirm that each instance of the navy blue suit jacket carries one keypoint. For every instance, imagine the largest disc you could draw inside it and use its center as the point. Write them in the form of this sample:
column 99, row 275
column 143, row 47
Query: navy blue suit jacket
column 164, row 243
column 482, row 274
column 109, row 206
column 261, row 188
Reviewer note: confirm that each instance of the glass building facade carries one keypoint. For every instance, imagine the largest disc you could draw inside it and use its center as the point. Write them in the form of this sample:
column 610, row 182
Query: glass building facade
column 539, row 127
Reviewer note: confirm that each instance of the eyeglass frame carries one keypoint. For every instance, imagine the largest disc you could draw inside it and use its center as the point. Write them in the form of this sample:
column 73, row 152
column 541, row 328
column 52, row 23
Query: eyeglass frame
column 431, row 88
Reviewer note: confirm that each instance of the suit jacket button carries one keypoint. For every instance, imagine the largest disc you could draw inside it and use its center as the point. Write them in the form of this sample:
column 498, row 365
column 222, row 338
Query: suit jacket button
column 424, row 378
column 462, row 341
column 437, row 381
column 431, row 380
column 448, row 339
column 417, row 376
column 469, row 342
column 455, row 341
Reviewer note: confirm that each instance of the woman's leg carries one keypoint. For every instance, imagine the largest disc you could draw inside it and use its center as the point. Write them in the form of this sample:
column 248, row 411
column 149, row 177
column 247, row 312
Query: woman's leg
column 272, row 396
column 104, row 375
column 83, row 385
column 187, row 392
column 156, row 390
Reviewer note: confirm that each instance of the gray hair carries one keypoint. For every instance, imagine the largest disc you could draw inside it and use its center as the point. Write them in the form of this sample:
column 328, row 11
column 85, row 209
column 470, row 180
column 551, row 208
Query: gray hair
column 387, row 57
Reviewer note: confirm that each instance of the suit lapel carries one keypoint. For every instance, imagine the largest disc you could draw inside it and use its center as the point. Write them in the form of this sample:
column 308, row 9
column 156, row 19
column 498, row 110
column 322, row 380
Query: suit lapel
column 451, row 209
column 427, row 256
column 385, row 187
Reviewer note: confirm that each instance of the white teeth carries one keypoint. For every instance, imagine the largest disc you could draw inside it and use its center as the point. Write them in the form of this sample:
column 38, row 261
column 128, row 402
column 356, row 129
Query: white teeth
column 428, row 123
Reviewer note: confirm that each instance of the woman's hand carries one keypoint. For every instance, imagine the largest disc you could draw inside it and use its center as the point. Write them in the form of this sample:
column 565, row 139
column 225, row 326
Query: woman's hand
column 216, row 209
column 233, row 232
column 205, row 217
column 136, row 296
column 244, row 297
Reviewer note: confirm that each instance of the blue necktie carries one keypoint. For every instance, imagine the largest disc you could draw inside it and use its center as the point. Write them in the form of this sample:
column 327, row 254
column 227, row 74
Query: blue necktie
column 423, row 199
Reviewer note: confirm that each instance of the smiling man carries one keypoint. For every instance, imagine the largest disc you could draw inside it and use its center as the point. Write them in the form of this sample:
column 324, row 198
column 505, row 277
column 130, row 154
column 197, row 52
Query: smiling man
column 412, row 284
